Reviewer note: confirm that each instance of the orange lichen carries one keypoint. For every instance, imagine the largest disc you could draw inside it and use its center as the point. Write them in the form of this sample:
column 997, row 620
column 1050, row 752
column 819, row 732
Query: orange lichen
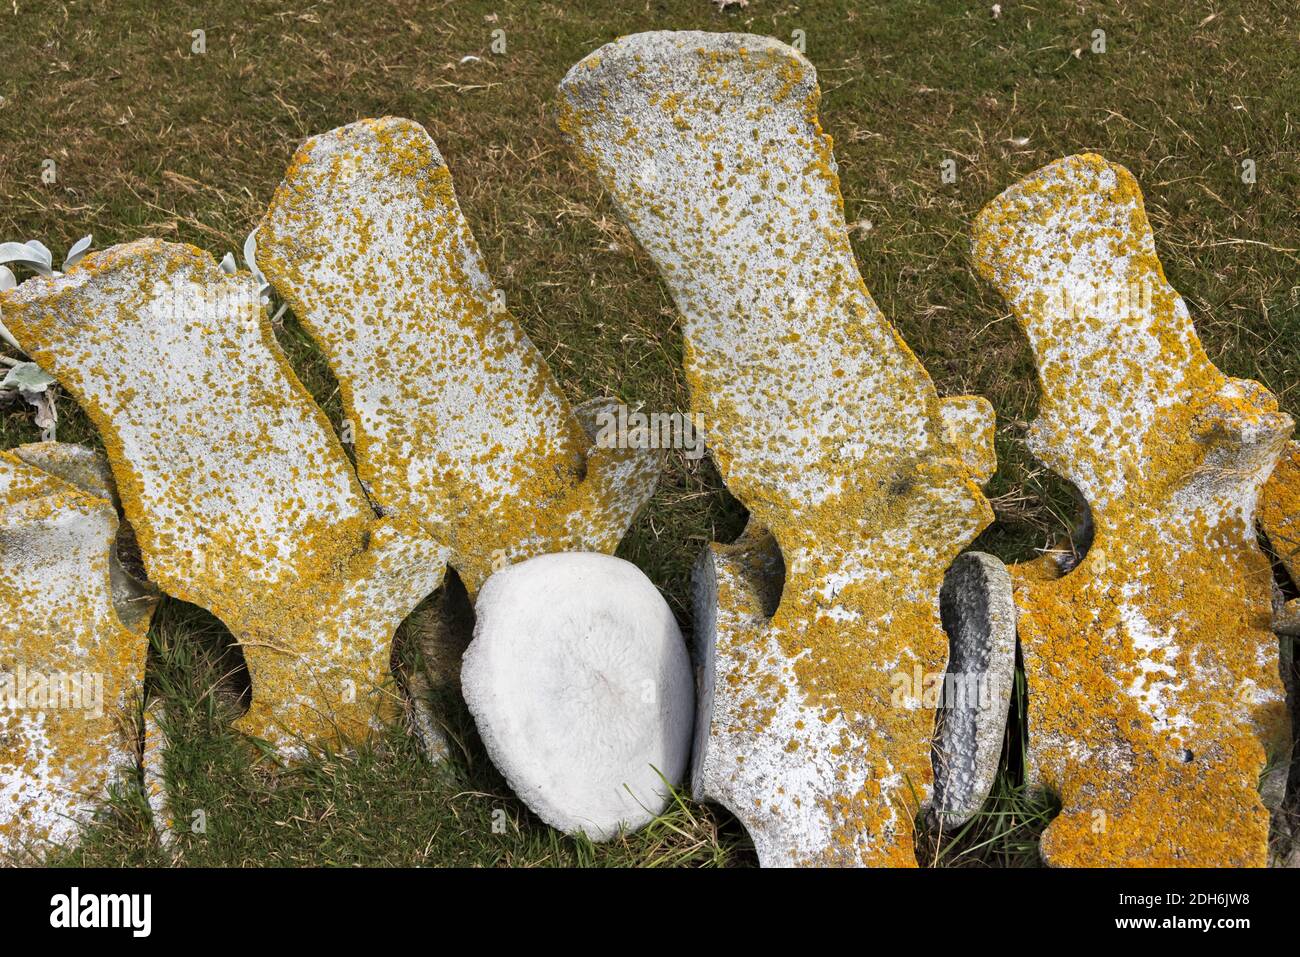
column 72, row 652
column 1154, row 694
column 1279, row 510
column 821, row 421
column 242, row 500
column 459, row 423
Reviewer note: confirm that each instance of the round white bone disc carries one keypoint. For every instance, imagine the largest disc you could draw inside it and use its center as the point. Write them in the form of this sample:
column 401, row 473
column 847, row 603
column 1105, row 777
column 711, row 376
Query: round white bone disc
column 580, row 685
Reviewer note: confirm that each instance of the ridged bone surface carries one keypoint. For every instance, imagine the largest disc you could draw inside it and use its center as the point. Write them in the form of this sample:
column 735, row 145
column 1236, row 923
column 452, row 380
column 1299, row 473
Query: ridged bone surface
column 1155, row 701
column 72, row 648
column 821, row 421
column 242, row 499
column 978, row 611
column 459, row 422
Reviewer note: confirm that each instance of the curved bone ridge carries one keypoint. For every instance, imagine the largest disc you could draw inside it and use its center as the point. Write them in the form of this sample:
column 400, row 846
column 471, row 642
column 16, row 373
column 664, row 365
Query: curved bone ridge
column 1154, row 695
column 72, row 653
column 821, row 421
column 242, row 499
column 458, row 420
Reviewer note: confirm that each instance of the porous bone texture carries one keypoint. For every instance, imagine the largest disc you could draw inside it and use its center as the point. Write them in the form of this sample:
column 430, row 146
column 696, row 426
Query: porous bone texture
column 979, row 614
column 581, row 688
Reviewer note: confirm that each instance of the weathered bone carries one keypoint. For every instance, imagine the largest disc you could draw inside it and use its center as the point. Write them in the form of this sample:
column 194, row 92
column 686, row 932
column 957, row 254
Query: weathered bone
column 457, row 419
column 822, row 422
column 1279, row 515
column 581, row 688
column 979, row 614
column 1154, row 695
column 72, row 648
column 75, row 464
column 241, row 497
column 153, row 758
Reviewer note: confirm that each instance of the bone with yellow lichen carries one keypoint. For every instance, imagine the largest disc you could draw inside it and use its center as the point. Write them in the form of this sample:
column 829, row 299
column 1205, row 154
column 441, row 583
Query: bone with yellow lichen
column 822, row 422
column 242, row 500
column 1279, row 516
column 458, row 421
column 1155, row 701
column 77, row 619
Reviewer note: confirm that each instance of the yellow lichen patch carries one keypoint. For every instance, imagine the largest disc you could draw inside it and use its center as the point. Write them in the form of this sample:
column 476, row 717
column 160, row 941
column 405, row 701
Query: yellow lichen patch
column 1279, row 516
column 1155, row 700
column 1279, row 510
column 821, row 421
column 72, row 654
column 242, row 500
column 458, row 422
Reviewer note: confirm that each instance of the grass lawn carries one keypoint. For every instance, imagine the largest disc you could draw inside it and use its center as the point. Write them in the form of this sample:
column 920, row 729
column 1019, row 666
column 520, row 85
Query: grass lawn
column 150, row 139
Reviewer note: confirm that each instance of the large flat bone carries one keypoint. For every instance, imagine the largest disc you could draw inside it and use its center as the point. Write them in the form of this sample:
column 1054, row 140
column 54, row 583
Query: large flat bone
column 821, row 421
column 458, row 420
column 88, row 470
column 1154, row 696
column 242, row 500
column 72, row 652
